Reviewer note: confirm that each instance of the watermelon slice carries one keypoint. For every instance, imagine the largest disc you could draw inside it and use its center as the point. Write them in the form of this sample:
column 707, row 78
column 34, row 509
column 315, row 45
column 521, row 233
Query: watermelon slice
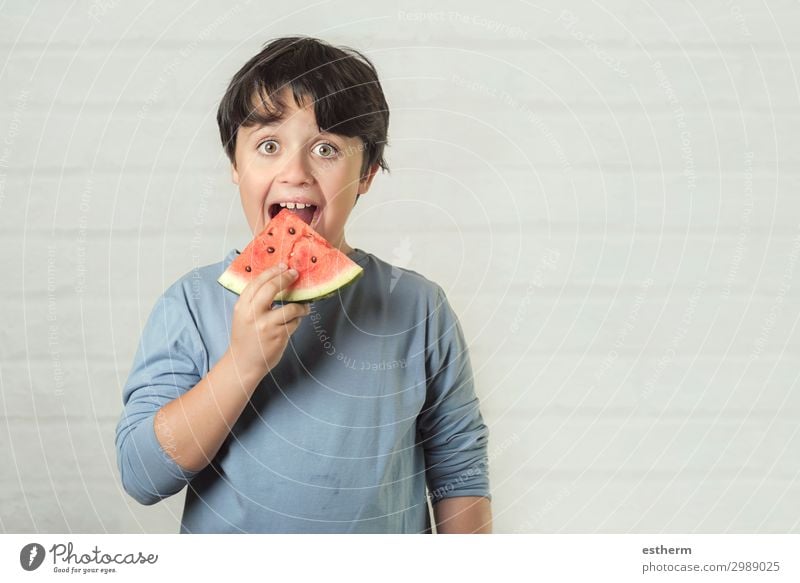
column 322, row 269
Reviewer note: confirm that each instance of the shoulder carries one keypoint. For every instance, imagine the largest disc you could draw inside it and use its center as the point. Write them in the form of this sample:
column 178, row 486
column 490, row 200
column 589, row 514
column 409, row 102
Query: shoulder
column 200, row 278
column 400, row 283
column 197, row 290
column 410, row 300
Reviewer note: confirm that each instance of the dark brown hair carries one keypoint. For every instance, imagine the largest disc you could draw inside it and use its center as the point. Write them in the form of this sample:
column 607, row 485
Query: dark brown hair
column 341, row 82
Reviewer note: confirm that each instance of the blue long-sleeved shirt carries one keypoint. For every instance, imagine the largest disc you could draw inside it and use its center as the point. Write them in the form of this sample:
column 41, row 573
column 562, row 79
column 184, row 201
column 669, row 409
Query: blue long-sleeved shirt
column 372, row 400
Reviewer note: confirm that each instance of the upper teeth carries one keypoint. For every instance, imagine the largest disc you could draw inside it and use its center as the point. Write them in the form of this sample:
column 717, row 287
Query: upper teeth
column 293, row 205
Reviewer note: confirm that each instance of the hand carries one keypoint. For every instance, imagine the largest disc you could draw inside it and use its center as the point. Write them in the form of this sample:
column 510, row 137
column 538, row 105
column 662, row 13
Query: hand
column 259, row 334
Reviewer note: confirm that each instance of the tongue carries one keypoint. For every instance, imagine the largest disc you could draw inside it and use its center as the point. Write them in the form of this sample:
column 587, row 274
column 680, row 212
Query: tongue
column 305, row 214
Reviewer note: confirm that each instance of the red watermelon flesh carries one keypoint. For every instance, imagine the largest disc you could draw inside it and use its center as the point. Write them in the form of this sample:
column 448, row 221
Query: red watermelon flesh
column 322, row 269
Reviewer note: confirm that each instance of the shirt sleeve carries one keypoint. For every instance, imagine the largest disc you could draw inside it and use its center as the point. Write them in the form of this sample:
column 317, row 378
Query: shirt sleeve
column 454, row 436
column 165, row 367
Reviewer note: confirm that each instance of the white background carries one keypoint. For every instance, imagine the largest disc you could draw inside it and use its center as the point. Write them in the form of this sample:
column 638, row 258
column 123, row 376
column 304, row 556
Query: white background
column 607, row 193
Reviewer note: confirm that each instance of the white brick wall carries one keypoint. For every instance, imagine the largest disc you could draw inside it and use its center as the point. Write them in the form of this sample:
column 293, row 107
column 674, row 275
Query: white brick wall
column 607, row 193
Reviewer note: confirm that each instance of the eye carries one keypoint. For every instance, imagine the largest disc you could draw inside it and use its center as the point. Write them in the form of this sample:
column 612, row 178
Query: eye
column 327, row 150
column 268, row 147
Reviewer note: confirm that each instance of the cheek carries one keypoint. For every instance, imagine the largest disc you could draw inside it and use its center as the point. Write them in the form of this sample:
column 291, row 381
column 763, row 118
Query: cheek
column 257, row 186
column 254, row 199
column 342, row 183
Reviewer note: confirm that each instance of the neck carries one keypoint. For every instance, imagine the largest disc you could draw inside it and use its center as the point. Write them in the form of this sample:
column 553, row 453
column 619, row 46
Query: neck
column 342, row 245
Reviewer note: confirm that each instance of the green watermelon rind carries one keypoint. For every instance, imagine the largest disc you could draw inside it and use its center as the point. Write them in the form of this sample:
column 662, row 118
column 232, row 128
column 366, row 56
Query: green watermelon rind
column 236, row 284
column 325, row 291
column 232, row 282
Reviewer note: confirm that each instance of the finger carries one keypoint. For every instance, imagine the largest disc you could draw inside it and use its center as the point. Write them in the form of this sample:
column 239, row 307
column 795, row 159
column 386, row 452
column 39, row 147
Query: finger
column 292, row 326
column 265, row 295
column 289, row 312
column 257, row 282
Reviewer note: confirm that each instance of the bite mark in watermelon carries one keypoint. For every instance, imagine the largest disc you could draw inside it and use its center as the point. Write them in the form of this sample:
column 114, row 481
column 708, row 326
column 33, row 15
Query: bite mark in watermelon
column 322, row 269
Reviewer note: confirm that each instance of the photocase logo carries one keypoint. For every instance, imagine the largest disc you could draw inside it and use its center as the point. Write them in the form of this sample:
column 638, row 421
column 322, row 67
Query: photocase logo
column 31, row 556
column 67, row 560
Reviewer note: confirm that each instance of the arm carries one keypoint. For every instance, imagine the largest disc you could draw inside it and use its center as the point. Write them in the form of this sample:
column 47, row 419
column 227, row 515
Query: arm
column 454, row 436
column 463, row 515
column 174, row 422
column 193, row 427
column 166, row 365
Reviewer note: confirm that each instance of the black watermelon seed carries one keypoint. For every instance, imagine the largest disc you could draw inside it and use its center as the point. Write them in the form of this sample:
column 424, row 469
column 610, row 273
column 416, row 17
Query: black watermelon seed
column 247, row 268
column 291, row 230
column 313, row 260
column 270, row 249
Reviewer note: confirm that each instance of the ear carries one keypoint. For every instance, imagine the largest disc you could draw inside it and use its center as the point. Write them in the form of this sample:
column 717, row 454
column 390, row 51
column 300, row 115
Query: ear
column 366, row 181
column 234, row 174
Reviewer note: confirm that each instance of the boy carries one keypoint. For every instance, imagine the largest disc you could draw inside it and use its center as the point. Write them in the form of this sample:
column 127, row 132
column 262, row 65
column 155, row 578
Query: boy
column 324, row 417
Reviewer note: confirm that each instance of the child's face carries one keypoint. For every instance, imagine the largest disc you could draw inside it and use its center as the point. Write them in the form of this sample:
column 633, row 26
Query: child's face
column 292, row 161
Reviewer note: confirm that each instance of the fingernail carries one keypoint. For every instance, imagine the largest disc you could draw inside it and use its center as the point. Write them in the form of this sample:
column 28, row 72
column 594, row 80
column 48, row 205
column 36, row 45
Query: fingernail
column 292, row 272
column 282, row 266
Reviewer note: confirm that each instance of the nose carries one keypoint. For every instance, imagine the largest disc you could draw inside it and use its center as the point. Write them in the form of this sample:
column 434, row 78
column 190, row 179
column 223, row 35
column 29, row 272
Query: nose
column 295, row 170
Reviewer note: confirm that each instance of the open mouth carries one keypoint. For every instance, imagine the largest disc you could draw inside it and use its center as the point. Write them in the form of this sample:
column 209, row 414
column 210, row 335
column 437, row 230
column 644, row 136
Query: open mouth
column 308, row 213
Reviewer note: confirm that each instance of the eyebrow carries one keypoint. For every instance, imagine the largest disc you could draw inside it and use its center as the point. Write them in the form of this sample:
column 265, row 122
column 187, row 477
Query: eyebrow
column 260, row 126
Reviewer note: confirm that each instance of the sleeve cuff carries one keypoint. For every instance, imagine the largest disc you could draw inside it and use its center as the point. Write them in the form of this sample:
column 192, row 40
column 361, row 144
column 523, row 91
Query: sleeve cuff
column 174, row 469
column 161, row 475
column 439, row 495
